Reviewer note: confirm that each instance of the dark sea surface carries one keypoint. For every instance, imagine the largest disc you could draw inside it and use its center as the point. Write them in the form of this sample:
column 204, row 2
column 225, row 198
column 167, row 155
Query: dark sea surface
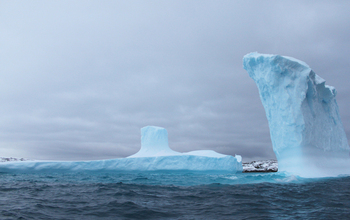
column 172, row 195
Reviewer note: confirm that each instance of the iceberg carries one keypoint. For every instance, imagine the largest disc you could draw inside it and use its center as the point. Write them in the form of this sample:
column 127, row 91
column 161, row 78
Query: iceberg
column 305, row 127
column 154, row 155
column 8, row 159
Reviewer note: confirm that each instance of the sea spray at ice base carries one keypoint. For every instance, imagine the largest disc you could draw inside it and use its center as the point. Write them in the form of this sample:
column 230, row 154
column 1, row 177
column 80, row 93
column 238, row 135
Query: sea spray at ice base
column 306, row 131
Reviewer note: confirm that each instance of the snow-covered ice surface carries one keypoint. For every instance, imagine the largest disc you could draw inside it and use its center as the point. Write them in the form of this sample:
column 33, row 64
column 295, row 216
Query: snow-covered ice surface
column 260, row 166
column 154, row 155
column 305, row 127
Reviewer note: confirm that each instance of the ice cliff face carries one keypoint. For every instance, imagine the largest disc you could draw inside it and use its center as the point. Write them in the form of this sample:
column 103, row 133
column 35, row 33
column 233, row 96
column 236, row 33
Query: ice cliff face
column 305, row 126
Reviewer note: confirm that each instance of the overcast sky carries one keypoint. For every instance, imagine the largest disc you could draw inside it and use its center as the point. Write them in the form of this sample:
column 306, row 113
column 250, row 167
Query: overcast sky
column 79, row 79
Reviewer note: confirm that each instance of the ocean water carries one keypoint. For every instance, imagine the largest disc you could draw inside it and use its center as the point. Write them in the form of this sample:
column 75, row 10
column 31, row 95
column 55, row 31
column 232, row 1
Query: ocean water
column 171, row 195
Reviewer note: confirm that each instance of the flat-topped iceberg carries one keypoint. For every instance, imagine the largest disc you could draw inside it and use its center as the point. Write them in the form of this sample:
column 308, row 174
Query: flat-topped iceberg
column 154, row 155
column 305, row 127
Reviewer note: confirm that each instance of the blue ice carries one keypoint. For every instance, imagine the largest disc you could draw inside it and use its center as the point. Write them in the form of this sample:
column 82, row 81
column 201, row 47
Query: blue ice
column 305, row 127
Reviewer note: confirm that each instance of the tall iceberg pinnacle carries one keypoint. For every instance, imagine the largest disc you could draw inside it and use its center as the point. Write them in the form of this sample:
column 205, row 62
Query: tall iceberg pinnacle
column 305, row 127
column 154, row 142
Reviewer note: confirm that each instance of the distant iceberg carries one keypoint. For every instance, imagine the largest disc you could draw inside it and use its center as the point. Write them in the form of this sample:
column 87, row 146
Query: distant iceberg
column 154, row 155
column 9, row 159
column 263, row 166
column 305, row 127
